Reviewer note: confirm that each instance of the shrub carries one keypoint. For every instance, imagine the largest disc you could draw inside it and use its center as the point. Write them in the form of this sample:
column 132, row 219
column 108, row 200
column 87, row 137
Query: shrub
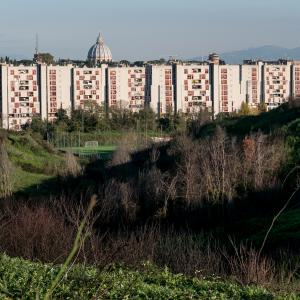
column 35, row 233
column 126, row 146
column 72, row 168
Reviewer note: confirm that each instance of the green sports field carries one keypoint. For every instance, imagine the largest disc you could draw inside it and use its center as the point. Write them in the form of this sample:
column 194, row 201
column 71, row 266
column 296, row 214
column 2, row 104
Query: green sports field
column 102, row 151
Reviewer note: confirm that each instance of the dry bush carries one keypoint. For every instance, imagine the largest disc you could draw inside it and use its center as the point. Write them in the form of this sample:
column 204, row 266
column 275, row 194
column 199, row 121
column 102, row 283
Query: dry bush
column 126, row 146
column 208, row 169
column 182, row 252
column 118, row 203
column 188, row 169
column 189, row 254
column 109, row 202
column 5, row 171
column 126, row 247
column 72, row 167
column 151, row 189
column 128, row 202
column 35, row 233
column 262, row 158
column 248, row 267
column 154, row 154
column 219, row 167
column 156, row 191
column 213, row 169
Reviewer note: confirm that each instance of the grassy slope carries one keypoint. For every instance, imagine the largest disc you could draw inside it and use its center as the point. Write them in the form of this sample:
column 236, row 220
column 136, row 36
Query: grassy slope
column 33, row 162
column 286, row 230
column 21, row 279
column 265, row 122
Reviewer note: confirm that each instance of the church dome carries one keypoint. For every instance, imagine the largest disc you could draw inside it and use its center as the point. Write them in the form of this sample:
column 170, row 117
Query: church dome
column 99, row 53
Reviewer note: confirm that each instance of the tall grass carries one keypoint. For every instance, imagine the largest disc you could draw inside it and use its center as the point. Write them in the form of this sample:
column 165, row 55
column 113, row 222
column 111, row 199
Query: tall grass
column 6, row 179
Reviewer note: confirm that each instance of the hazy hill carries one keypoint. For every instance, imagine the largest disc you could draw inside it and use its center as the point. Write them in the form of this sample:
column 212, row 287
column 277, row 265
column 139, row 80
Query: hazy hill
column 263, row 53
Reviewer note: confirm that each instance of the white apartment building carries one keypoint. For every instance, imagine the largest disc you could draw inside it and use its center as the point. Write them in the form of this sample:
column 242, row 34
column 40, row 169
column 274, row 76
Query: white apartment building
column 159, row 88
column 226, row 88
column 19, row 95
column 276, row 83
column 296, row 80
column 56, row 90
column 251, row 83
column 126, row 87
column 26, row 91
column 88, row 87
column 193, row 89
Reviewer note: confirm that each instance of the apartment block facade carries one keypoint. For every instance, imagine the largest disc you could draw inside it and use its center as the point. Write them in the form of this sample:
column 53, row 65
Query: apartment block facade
column 126, row 87
column 19, row 95
column 276, row 84
column 251, row 83
column 226, row 86
column 58, row 90
column 193, row 88
column 296, row 80
column 88, row 87
column 160, row 88
column 40, row 90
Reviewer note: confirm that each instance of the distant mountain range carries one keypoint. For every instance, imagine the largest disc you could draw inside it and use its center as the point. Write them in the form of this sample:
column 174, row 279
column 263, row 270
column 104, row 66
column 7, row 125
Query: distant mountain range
column 263, row 53
column 233, row 57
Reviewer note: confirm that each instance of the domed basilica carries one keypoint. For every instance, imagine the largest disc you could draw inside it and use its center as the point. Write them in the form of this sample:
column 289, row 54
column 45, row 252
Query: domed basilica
column 99, row 52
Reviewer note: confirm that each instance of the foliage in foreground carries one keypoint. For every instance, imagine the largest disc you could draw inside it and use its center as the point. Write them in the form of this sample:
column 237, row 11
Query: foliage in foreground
column 21, row 279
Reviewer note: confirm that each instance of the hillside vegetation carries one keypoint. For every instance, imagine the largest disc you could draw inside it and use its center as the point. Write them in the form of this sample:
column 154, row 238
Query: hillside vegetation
column 283, row 118
column 20, row 279
column 199, row 205
column 34, row 162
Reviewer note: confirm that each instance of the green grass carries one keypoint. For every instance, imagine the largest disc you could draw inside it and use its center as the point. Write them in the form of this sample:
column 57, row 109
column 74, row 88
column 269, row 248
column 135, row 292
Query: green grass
column 98, row 149
column 285, row 231
column 105, row 151
column 24, row 180
column 20, row 279
column 34, row 163
column 32, row 155
column 266, row 122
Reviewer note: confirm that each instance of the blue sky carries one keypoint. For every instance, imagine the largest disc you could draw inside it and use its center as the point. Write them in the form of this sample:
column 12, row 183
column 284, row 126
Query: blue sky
column 146, row 29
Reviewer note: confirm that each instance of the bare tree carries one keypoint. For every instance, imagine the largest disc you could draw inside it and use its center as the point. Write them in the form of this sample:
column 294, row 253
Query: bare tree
column 262, row 158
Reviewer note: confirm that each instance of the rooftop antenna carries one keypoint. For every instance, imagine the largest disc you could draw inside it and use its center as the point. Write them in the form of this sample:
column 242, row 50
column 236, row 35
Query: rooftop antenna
column 36, row 44
column 36, row 56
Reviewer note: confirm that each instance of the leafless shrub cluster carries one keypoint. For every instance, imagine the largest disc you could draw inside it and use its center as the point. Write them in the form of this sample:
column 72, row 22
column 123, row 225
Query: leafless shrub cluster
column 118, row 203
column 262, row 158
column 71, row 167
column 213, row 169
column 152, row 190
column 247, row 266
column 35, row 233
